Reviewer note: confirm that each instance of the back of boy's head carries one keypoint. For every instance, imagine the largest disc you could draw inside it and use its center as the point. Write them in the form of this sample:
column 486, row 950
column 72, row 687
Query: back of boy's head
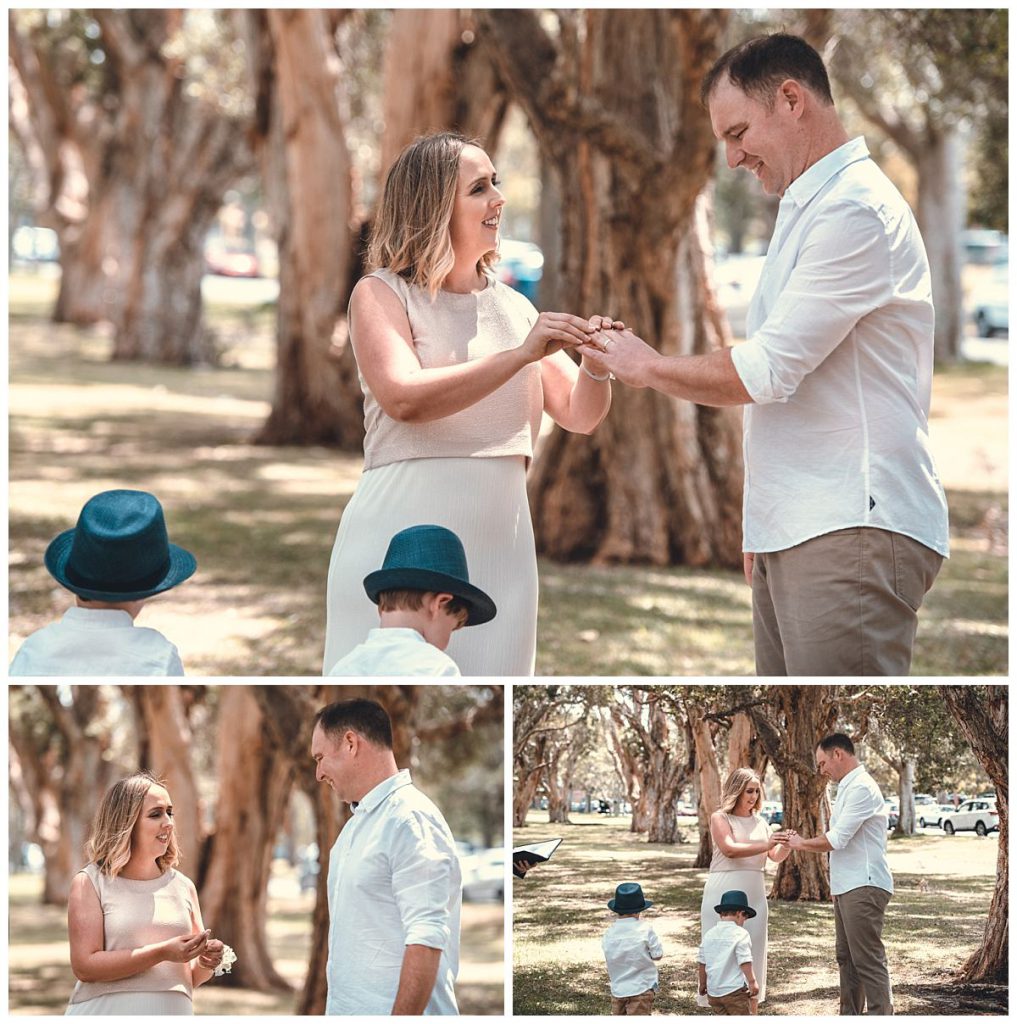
column 413, row 601
column 729, row 915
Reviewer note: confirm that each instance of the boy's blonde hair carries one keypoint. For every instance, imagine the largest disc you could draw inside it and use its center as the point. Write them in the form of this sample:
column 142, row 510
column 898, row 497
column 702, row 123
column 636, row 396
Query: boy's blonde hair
column 734, row 786
column 411, row 234
column 109, row 843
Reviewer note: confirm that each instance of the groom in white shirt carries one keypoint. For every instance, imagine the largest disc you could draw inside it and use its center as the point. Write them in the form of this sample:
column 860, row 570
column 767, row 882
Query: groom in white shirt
column 860, row 878
column 844, row 519
column 394, row 883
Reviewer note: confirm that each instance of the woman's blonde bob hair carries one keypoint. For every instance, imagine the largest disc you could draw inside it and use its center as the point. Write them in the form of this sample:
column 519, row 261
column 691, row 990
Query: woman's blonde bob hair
column 734, row 786
column 411, row 234
column 109, row 843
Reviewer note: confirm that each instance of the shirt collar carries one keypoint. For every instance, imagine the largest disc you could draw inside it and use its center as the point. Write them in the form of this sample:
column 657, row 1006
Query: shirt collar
column 378, row 634
column 849, row 778
column 99, row 618
column 382, row 792
column 804, row 188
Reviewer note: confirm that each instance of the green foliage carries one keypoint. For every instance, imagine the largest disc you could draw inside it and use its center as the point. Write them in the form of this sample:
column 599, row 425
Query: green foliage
column 988, row 199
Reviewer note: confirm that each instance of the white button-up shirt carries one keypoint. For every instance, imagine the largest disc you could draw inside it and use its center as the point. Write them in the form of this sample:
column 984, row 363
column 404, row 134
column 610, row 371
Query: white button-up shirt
column 96, row 642
column 858, row 835
column 395, row 651
column 630, row 948
column 839, row 365
column 725, row 947
column 393, row 881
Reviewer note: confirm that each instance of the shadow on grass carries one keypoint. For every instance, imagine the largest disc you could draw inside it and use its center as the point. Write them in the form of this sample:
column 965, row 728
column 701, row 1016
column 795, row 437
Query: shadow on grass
column 934, row 922
column 262, row 522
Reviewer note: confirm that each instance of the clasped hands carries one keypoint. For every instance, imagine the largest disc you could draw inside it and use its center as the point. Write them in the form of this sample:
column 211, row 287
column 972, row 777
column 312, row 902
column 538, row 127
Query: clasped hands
column 607, row 346
column 786, row 837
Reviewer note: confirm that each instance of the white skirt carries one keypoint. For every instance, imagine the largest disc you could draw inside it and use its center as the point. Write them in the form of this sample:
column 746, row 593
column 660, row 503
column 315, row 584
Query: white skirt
column 753, row 884
column 484, row 501
column 121, row 1004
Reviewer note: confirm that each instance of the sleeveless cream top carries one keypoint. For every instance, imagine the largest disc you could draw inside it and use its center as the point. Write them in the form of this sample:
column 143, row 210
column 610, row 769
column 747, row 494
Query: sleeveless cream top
column 138, row 912
column 450, row 329
column 752, row 829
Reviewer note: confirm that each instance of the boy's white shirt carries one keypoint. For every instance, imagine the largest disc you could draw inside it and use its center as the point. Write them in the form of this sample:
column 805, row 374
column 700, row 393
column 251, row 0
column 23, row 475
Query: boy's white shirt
column 725, row 947
column 96, row 642
column 631, row 948
column 395, row 651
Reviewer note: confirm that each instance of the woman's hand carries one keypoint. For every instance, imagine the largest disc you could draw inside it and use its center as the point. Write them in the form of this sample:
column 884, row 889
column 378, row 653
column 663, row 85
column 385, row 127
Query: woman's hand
column 211, row 956
column 554, row 331
column 181, row 949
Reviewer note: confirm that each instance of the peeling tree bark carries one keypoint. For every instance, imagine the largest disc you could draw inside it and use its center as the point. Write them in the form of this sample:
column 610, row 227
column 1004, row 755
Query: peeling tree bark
column 790, row 724
column 982, row 713
column 613, row 103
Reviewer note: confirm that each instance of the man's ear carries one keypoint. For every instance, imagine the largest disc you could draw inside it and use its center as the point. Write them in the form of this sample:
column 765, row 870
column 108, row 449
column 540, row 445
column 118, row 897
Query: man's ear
column 792, row 95
column 351, row 741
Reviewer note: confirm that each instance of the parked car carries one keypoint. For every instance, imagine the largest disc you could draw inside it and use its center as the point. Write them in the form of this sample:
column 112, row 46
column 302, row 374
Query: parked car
column 521, row 266
column 990, row 302
column 483, row 875
column 892, row 813
column 980, row 815
column 927, row 811
column 35, row 245
column 772, row 812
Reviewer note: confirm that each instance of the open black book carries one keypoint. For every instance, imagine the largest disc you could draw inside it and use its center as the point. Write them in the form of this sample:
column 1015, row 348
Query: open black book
column 533, row 853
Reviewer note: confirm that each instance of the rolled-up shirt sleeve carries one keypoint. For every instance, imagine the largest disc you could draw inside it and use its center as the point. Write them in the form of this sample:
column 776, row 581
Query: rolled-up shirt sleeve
column 653, row 946
column 842, row 273
column 424, row 872
column 859, row 806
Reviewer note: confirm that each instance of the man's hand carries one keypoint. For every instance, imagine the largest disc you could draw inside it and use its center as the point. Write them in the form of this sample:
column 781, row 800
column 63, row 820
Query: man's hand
column 748, row 560
column 521, row 866
column 628, row 357
column 795, row 841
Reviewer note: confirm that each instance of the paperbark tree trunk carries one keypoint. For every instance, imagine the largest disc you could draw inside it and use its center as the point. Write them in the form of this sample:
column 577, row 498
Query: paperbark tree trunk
column 906, row 798
column 709, row 783
column 982, row 714
column 165, row 729
column 789, row 726
column 67, row 768
column 436, row 77
column 613, row 103
column 306, row 170
column 940, row 215
column 254, row 788
column 743, row 747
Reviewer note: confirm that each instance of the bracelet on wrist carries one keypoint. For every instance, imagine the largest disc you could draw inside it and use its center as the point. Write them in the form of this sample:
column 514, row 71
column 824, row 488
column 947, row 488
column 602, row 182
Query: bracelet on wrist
column 589, row 373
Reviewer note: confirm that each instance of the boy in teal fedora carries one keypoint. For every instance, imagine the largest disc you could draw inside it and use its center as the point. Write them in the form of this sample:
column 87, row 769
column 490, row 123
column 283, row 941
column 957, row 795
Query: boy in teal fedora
column 423, row 593
column 631, row 949
column 726, row 976
column 116, row 557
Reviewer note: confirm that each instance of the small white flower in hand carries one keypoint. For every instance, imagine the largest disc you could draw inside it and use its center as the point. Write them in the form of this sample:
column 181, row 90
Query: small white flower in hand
column 229, row 958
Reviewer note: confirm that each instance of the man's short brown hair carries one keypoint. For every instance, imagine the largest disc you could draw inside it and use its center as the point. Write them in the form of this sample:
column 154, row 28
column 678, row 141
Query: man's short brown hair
column 366, row 717
column 759, row 65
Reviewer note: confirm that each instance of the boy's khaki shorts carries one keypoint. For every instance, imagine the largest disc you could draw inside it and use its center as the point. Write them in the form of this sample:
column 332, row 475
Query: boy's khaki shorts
column 633, row 1006
column 734, row 1004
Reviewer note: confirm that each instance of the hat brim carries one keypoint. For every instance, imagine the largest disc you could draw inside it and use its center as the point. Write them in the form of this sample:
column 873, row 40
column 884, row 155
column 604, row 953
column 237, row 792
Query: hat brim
column 182, row 565
column 629, row 910
column 480, row 607
column 733, row 909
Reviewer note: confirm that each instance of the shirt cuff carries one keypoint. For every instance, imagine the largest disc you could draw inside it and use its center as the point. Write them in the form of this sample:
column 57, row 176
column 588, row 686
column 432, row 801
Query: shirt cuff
column 753, row 368
column 832, row 838
column 434, row 936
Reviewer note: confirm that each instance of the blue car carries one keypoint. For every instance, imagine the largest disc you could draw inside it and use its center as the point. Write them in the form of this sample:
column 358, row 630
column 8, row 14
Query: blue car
column 521, row 266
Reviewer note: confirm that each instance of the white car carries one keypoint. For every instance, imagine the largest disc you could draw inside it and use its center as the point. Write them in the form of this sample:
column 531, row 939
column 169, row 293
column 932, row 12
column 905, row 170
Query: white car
column 979, row 814
column 483, row 875
column 991, row 302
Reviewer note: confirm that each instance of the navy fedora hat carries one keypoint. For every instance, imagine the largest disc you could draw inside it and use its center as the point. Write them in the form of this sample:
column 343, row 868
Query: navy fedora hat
column 430, row 558
column 734, row 899
column 628, row 899
column 119, row 550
